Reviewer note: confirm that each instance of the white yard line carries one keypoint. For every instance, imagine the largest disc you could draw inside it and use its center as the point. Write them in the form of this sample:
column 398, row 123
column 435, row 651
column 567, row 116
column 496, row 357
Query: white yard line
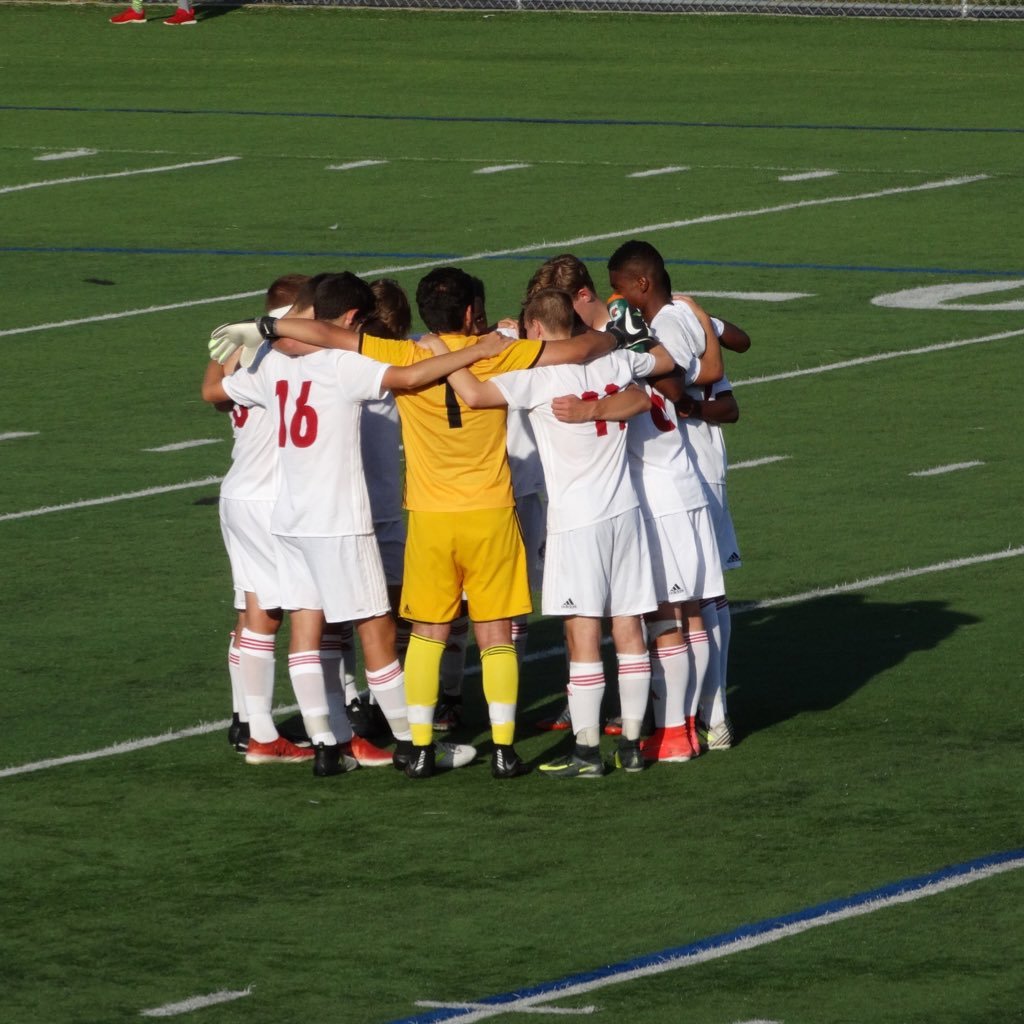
column 16, row 435
column 117, row 174
column 951, row 468
column 742, row 940
column 195, row 1003
column 558, row 246
column 69, row 154
column 755, row 296
column 807, row 175
column 879, row 358
column 147, row 493
column 500, row 168
column 181, row 445
column 355, row 165
column 655, row 171
column 130, row 746
column 766, row 461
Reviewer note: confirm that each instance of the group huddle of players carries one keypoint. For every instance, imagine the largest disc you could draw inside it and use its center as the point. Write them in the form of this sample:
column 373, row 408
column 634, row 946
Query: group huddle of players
column 576, row 451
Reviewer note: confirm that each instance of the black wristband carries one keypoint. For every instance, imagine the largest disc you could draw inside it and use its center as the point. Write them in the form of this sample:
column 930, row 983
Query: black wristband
column 268, row 327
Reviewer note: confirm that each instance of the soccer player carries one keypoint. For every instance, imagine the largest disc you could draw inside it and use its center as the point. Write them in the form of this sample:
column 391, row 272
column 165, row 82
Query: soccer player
column 637, row 272
column 247, row 496
column 330, row 566
column 136, row 15
column 463, row 535
column 597, row 563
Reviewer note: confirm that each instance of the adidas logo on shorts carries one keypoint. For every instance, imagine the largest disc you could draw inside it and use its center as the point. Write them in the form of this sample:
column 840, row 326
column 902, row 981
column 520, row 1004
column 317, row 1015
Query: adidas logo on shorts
column 569, row 604
column 675, row 589
column 734, row 557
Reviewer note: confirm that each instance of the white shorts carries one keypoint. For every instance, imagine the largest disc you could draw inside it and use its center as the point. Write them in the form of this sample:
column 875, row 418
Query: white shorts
column 341, row 575
column 391, row 541
column 599, row 570
column 533, row 521
column 684, row 556
column 252, row 550
column 728, row 546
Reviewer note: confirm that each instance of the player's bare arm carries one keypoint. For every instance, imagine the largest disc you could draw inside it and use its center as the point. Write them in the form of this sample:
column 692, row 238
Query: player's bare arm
column 580, row 349
column 427, row 371
column 623, row 405
column 476, row 393
column 722, row 409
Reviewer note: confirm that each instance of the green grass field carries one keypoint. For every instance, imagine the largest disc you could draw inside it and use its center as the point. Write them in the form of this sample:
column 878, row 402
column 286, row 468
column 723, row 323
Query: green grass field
column 876, row 662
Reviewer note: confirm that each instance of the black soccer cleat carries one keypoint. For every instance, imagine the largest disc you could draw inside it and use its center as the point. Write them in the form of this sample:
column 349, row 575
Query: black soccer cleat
column 330, row 759
column 416, row 762
column 507, row 764
column 238, row 734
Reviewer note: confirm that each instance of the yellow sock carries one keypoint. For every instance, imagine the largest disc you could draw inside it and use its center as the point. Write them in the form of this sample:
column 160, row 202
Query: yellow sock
column 422, row 671
column 500, row 669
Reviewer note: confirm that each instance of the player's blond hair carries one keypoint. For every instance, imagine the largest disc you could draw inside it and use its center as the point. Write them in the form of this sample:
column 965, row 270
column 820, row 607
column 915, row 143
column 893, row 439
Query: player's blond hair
column 553, row 308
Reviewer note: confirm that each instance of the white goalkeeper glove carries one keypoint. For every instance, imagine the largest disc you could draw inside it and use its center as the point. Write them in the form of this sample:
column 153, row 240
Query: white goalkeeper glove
column 248, row 335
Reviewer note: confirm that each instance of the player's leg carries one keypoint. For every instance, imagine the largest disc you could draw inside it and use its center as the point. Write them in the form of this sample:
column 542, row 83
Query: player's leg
column 585, row 692
column 634, row 664
column 448, row 714
column 238, row 731
column 492, row 557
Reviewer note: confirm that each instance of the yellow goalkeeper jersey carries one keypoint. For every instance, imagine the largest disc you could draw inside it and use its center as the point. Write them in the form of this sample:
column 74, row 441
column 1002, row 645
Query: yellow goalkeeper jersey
column 455, row 458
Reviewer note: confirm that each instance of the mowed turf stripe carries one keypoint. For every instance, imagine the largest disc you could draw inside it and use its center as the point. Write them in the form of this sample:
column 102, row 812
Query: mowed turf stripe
column 725, row 944
column 204, row 728
column 710, row 218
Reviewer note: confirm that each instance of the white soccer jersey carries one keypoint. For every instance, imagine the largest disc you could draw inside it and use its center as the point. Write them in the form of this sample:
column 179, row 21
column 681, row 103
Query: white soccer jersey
column 676, row 326
column 317, row 402
column 706, row 440
column 381, row 446
column 662, row 467
column 253, row 475
column 585, row 465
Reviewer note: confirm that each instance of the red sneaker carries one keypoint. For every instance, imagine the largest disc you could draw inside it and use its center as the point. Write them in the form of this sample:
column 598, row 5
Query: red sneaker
column 671, row 744
column 613, row 727
column 279, row 750
column 181, row 17
column 560, row 723
column 368, row 755
column 129, row 17
column 694, row 735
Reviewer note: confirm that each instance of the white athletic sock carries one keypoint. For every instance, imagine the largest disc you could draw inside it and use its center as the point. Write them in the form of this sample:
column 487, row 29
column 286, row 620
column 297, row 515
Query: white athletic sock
column 725, row 628
column 699, row 655
column 520, row 635
column 256, row 668
column 634, row 689
column 453, row 661
column 670, row 672
column 235, row 675
column 388, row 688
column 712, row 697
column 308, row 683
column 585, row 692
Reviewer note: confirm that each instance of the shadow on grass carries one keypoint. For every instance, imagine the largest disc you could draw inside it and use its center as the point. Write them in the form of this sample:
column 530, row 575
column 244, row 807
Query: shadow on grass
column 813, row 656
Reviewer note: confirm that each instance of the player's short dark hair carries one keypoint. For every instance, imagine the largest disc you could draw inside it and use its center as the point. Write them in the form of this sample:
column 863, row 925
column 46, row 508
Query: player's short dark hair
column 641, row 259
column 566, row 271
column 336, row 294
column 285, row 290
column 392, row 315
column 443, row 297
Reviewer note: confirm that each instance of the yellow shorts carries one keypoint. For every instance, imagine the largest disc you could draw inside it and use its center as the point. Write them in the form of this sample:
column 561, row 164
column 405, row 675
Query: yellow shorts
column 480, row 553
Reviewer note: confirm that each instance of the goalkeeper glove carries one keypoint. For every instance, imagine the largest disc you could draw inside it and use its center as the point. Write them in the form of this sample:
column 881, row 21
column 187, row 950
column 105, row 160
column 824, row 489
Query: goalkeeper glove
column 628, row 325
column 247, row 335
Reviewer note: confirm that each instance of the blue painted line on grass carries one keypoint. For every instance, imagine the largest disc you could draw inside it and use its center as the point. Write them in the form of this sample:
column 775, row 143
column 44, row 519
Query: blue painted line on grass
column 480, row 119
column 893, row 889
column 357, row 254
